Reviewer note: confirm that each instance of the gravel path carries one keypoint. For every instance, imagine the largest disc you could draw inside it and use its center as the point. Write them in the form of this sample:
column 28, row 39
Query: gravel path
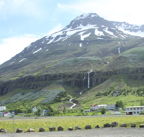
column 109, row 132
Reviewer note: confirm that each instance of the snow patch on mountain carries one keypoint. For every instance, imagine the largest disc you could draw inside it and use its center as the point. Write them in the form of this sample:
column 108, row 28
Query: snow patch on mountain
column 83, row 35
column 109, row 32
column 100, row 38
column 68, row 32
column 22, row 60
column 138, row 33
column 50, row 41
column 12, row 62
column 102, row 28
column 98, row 33
column 37, row 51
column 127, row 26
column 80, row 45
column 89, row 26
column 130, row 29
column 71, row 32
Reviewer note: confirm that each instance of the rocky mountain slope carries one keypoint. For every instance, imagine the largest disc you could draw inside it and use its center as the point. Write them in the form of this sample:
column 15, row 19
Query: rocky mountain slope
column 136, row 30
column 88, row 39
column 86, row 53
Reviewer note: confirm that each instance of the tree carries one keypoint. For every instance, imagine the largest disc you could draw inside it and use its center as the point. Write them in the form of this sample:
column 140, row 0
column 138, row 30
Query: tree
column 103, row 111
column 38, row 112
column 18, row 110
column 142, row 113
column 29, row 110
column 142, row 103
column 119, row 104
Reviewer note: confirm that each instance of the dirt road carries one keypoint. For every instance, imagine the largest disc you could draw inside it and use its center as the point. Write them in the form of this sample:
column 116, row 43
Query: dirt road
column 109, row 132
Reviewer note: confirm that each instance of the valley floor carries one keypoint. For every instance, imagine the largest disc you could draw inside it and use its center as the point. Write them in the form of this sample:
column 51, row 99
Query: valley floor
column 109, row 132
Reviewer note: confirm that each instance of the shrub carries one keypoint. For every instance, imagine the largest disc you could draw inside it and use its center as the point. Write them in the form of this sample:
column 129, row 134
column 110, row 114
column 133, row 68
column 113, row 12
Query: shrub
column 103, row 111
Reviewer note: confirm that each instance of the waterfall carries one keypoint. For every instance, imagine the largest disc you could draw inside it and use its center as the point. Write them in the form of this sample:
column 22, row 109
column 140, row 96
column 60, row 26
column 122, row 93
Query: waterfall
column 119, row 50
column 83, row 82
column 89, row 78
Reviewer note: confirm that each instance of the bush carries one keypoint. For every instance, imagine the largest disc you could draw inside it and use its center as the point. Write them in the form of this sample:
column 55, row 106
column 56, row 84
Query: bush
column 119, row 104
column 103, row 111
column 142, row 113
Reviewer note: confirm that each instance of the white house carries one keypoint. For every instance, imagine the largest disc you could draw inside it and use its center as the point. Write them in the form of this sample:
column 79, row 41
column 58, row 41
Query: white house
column 2, row 108
column 7, row 114
column 106, row 106
column 134, row 110
column 96, row 107
column 45, row 112
column 111, row 107
column 34, row 109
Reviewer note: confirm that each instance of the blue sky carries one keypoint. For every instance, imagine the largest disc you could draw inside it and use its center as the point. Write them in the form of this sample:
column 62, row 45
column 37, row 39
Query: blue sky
column 24, row 21
column 31, row 16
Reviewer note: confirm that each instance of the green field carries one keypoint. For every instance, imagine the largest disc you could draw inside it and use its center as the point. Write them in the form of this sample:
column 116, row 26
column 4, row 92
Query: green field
column 128, row 88
column 66, row 122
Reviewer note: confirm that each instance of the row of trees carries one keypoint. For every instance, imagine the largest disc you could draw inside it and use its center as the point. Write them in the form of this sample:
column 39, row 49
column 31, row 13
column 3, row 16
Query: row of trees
column 124, row 91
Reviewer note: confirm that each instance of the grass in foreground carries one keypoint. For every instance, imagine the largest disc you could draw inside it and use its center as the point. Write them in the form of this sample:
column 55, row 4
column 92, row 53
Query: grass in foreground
column 66, row 122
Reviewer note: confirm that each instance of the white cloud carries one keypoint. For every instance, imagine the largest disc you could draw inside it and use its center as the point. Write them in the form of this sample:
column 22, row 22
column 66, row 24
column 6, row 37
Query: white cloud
column 9, row 47
column 1, row 3
column 21, row 7
column 121, row 10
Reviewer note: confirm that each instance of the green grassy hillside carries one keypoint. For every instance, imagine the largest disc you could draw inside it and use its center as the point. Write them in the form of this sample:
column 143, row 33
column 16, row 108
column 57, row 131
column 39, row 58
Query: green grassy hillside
column 117, row 88
column 61, row 66
column 100, row 54
column 131, row 92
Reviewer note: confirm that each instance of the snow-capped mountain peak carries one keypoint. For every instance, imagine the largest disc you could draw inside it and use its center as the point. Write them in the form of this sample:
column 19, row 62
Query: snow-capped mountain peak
column 84, row 20
column 86, row 15
column 90, row 23
column 83, row 30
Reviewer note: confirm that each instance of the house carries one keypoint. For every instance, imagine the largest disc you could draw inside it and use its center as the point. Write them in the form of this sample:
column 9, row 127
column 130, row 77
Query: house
column 96, row 107
column 45, row 112
column 2, row 108
column 111, row 107
column 1, row 114
column 134, row 110
column 106, row 106
column 7, row 114
column 34, row 109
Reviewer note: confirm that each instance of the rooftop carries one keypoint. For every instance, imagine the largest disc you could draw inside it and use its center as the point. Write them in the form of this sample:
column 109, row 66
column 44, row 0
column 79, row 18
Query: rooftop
column 134, row 106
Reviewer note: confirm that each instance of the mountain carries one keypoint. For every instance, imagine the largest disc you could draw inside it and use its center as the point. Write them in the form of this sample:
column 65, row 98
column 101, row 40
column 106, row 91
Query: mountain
column 87, row 37
column 83, row 55
column 136, row 30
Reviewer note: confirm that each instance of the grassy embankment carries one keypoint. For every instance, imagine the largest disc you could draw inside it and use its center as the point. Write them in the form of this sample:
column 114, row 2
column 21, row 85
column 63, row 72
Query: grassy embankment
column 66, row 122
column 128, row 89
